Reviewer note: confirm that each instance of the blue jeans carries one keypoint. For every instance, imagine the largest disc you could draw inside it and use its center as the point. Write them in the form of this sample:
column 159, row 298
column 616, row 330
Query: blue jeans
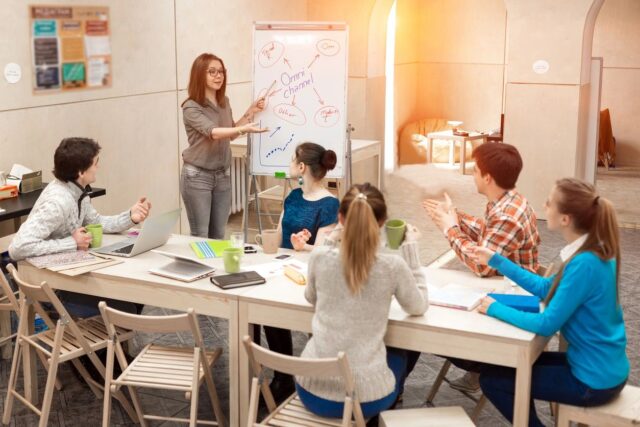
column 207, row 198
column 551, row 380
column 397, row 361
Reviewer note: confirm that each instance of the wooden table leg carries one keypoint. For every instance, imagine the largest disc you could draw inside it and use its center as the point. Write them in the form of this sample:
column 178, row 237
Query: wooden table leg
column 523, row 389
column 429, row 150
column 234, row 347
column 244, row 373
column 463, row 156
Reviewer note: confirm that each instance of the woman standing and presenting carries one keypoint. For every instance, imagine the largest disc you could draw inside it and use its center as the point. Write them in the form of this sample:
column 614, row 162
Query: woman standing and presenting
column 205, row 182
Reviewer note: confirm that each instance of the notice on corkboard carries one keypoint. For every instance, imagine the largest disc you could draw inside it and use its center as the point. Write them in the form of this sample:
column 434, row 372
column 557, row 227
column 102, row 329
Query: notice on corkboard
column 71, row 47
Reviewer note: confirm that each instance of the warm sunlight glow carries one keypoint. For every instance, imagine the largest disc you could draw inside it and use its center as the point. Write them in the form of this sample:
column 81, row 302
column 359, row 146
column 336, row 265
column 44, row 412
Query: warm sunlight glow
column 390, row 63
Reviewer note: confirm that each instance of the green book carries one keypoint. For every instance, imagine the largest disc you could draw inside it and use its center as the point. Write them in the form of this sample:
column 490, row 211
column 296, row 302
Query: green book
column 210, row 248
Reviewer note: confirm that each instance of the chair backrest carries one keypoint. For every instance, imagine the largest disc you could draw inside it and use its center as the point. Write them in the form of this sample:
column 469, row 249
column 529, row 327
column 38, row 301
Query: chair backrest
column 260, row 358
column 37, row 294
column 12, row 301
column 151, row 324
column 545, row 271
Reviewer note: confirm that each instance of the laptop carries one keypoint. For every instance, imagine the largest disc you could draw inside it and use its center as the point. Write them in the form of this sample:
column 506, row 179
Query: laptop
column 182, row 268
column 155, row 232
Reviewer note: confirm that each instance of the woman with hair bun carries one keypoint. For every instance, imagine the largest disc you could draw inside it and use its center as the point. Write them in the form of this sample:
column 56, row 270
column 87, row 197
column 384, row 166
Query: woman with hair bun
column 311, row 210
column 310, row 213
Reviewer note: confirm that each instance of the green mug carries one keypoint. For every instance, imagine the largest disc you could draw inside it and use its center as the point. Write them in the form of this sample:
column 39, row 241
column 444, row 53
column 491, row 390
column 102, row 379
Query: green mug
column 231, row 258
column 395, row 229
column 96, row 234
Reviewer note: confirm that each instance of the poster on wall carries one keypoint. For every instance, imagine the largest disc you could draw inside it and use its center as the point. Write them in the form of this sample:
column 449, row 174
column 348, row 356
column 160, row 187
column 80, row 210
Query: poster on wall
column 71, row 47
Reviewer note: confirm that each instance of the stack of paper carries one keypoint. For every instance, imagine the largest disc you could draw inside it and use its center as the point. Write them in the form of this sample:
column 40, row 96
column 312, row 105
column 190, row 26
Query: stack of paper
column 73, row 263
column 455, row 296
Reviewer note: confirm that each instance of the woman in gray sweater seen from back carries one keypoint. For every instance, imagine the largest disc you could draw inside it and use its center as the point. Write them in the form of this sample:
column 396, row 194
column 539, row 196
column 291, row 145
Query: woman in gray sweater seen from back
column 351, row 282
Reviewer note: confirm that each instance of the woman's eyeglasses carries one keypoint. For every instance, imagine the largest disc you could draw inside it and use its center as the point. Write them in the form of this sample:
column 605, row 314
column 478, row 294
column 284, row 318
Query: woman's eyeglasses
column 213, row 72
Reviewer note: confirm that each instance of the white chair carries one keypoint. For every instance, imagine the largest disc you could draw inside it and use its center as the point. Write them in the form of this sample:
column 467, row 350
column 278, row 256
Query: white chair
column 292, row 412
column 64, row 341
column 160, row 367
column 453, row 416
column 623, row 411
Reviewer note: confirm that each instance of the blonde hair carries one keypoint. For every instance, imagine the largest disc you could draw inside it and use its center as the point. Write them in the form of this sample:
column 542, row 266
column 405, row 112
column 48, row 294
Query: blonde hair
column 363, row 208
column 590, row 214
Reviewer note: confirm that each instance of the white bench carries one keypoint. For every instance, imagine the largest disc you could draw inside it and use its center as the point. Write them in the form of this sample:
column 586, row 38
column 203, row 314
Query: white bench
column 453, row 416
column 623, row 411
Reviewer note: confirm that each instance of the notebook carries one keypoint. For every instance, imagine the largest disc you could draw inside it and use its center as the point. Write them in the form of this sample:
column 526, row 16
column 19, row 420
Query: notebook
column 210, row 248
column 455, row 296
column 528, row 303
column 237, row 280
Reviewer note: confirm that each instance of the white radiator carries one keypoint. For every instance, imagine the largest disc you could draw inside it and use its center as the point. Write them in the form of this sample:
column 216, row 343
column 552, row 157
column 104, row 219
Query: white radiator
column 238, row 184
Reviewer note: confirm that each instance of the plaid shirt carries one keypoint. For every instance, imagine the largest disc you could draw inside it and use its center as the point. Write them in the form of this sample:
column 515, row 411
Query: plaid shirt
column 509, row 227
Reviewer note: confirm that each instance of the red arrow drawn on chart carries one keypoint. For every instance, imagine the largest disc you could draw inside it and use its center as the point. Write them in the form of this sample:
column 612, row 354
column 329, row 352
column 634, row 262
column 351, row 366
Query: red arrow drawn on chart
column 314, row 60
column 318, row 95
column 286, row 61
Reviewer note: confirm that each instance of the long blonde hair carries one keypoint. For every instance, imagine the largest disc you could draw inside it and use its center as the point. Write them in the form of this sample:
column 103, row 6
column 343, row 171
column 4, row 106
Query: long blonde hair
column 363, row 209
column 593, row 215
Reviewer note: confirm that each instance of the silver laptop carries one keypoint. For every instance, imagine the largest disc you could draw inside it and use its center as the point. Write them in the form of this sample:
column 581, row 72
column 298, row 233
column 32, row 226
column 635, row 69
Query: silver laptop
column 155, row 232
column 182, row 268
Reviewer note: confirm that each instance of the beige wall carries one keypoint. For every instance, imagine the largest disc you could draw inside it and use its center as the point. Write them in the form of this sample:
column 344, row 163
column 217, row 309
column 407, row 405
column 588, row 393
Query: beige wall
column 461, row 61
column 617, row 40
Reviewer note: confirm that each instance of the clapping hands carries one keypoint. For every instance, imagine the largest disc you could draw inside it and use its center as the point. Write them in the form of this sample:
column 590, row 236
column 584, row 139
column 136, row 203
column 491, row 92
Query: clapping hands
column 442, row 213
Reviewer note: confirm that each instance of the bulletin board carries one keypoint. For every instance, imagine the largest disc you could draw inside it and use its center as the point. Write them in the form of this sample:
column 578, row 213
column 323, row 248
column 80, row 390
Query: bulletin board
column 70, row 47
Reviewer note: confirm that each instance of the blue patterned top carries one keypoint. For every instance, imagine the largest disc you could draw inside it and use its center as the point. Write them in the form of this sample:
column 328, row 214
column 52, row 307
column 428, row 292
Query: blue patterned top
column 300, row 213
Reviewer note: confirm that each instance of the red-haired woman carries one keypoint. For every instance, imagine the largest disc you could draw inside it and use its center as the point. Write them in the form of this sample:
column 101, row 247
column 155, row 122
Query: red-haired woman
column 205, row 182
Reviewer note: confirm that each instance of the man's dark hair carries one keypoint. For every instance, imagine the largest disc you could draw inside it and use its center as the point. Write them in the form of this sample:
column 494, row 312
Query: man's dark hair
column 74, row 156
column 501, row 161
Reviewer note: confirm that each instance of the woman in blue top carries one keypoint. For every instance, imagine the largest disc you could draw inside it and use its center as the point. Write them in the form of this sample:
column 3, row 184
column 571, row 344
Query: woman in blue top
column 581, row 302
column 310, row 212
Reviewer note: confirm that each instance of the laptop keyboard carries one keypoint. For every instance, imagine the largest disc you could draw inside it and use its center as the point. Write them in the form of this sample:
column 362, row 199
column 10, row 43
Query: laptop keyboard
column 124, row 250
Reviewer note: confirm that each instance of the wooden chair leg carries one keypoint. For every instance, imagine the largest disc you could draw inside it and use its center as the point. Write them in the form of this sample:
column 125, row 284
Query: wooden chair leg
column 13, row 377
column 193, row 418
column 438, row 382
column 45, row 364
column 136, row 404
column 87, row 378
column 106, row 403
column 213, row 396
column 478, row 409
column 51, row 377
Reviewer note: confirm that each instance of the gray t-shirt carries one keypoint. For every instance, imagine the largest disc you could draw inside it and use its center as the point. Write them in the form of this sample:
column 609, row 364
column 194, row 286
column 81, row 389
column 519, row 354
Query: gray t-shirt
column 199, row 120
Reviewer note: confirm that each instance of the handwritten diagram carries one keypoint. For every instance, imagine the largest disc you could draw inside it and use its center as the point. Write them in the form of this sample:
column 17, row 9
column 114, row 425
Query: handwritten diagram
column 302, row 75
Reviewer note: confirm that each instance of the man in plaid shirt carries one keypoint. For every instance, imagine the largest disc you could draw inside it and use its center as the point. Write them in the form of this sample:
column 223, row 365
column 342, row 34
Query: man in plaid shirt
column 509, row 225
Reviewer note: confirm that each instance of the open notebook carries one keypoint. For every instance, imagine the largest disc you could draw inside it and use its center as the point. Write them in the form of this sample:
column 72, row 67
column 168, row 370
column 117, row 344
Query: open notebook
column 455, row 296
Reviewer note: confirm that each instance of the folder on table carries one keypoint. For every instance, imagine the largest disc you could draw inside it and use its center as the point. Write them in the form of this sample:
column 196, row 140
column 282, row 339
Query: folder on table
column 528, row 303
column 210, row 248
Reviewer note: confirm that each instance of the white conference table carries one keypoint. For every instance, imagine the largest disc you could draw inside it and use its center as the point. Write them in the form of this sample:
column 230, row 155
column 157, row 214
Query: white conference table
column 131, row 281
column 443, row 331
column 281, row 303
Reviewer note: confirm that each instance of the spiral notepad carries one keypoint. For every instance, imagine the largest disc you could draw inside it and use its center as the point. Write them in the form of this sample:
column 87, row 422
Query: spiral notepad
column 210, row 248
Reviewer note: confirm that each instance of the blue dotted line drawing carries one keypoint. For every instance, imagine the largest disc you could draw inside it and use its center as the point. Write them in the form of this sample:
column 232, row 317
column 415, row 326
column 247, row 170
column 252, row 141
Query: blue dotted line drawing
column 275, row 150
